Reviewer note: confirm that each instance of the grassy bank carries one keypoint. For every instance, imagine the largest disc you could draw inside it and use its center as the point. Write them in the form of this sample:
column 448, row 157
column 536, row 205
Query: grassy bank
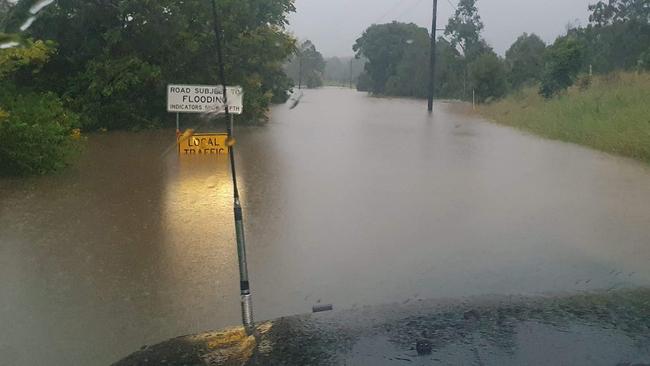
column 611, row 114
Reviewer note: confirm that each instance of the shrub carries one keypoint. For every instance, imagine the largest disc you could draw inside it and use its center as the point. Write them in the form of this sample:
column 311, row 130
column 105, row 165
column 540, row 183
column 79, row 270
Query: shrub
column 119, row 93
column 37, row 135
column 583, row 82
column 487, row 76
column 644, row 61
column 564, row 59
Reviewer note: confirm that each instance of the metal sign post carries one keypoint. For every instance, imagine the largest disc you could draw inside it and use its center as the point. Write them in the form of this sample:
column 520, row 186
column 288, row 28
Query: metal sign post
column 178, row 125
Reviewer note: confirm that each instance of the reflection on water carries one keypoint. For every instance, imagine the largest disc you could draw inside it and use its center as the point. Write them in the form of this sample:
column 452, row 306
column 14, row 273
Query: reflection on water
column 379, row 204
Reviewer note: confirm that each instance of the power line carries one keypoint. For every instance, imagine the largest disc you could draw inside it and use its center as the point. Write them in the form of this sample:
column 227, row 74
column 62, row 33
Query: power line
column 390, row 11
column 408, row 9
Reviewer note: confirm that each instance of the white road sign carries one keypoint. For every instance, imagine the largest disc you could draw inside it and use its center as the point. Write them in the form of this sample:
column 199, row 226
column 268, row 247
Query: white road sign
column 203, row 98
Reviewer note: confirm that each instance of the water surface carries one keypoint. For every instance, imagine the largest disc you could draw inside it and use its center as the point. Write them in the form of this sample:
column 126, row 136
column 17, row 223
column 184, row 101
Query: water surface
column 348, row 200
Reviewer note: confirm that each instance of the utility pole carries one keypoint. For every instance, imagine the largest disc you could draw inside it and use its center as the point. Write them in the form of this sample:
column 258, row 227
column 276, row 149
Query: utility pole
column 299, row 70
column 432, row 62
column 352, row 59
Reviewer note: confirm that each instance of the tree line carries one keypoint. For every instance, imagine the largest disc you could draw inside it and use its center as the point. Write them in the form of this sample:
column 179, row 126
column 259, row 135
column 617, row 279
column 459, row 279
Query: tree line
column 93, row 65
column 616, row 38
column 307, row 68
column 343, row 71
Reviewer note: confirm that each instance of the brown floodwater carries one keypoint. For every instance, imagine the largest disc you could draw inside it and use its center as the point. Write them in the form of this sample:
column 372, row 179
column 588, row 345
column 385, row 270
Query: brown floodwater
column 348, row 200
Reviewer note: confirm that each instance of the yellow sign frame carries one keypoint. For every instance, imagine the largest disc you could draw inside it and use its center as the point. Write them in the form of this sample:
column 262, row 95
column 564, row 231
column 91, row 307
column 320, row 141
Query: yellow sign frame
column 203, row 144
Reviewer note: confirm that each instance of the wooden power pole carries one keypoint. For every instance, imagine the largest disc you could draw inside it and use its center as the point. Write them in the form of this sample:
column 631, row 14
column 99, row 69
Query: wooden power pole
column 432, row 62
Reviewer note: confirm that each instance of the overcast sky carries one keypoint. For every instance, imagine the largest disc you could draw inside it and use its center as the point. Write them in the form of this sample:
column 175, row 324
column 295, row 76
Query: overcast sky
column 334, row 25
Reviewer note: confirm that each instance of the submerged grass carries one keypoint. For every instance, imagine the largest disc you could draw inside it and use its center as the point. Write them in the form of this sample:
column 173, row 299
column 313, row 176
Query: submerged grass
column 611, row 113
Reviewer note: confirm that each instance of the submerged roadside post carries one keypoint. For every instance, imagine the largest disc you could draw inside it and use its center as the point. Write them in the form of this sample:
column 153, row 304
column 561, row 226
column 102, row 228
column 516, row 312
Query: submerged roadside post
column 245, row 292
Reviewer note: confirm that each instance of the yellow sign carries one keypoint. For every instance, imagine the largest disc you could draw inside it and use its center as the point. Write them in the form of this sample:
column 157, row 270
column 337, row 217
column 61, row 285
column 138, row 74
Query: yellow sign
column 203, row 144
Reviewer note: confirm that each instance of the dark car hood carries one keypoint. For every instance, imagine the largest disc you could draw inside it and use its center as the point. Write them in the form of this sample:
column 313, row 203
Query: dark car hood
column 609, row 328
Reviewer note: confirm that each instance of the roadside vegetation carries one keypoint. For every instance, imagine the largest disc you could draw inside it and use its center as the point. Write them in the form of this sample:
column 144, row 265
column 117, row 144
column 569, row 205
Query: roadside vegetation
column 104, row 65
column 590, row 86
column 343, row 71
column 306, row 66
column 609, row 113
column 617, row 38
column 37, row 133
column 84, row 66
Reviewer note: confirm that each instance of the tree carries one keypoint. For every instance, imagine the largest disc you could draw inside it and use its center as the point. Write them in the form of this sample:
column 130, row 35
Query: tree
column 115, row 57
column 525, row 60
column 619, row 11
column 618, row 35
column 450, row 71
column 364, row 84
column 307, row 66
column 5, row 7
column 563, row 61
column 487, row 77
column 411, row 75
column 36, row 131
column 384, row 45
column 643, row 64
column 464, row 29
column 464, row 33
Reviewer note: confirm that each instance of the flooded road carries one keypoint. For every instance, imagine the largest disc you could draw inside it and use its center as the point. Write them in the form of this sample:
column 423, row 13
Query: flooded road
column 348, row 200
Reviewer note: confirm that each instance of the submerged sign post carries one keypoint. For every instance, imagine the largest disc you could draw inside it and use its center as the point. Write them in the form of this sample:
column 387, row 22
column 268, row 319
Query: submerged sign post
column 203, row 99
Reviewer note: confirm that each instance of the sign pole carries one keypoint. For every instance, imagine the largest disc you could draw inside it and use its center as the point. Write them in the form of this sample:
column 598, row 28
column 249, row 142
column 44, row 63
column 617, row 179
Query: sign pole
column 473, row 99
column 245, row 292
column 178, row 129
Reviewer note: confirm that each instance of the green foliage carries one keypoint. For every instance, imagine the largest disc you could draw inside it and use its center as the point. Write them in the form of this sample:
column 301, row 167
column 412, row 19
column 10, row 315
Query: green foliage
column 612, row 114
column 279, row 85
column 398, row 61
column 644, row 61
column 307, row 66
column 5, row 8
column 564, row 59
column 364, row 83
column 412, row 73
column 116, row 88
column 614, row 47
column 464, row 29
column 32, row 55
column 487, row 76
column 35, row 129
column 36, row 133
column 450, row 71
column 466, row 71
column 619, row 11
column 115, row 57
column 385, row 47
column 525, row 60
